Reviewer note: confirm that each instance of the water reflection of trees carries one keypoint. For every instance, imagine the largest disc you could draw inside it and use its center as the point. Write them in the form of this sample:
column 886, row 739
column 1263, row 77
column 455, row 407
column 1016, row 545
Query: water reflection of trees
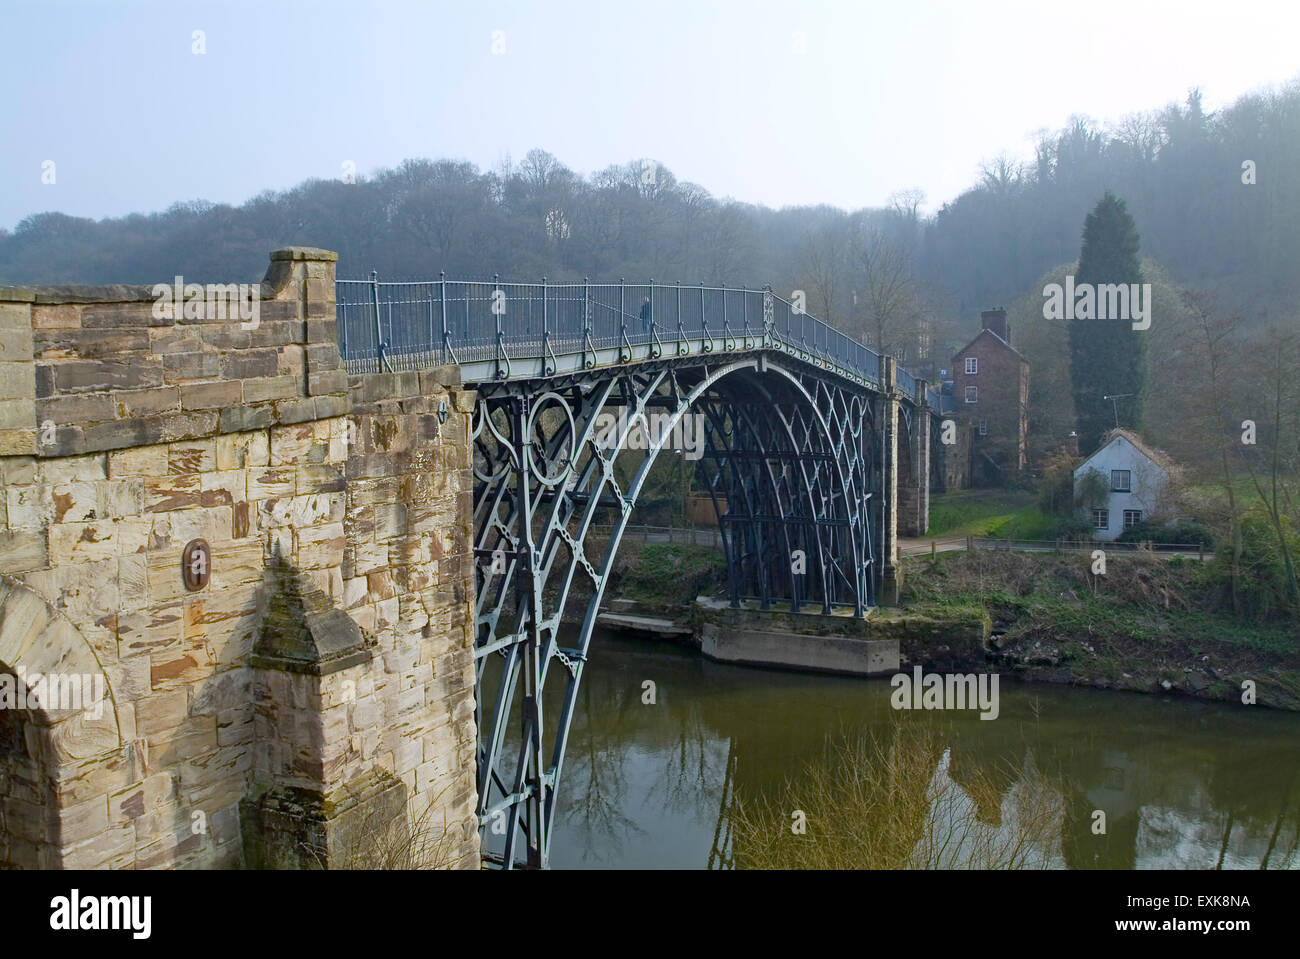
column 1160, row 808
column 1193, row 789
column 596, row 779
column 1287, row 859
column 722, row 851
column 899, row 800
column 689, row 779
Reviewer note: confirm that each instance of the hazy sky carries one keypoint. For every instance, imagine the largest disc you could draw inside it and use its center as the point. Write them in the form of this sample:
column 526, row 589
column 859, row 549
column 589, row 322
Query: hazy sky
column 884, row 95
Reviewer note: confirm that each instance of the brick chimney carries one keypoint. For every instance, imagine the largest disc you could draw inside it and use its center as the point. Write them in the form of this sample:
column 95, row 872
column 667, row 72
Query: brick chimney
column 996, row 321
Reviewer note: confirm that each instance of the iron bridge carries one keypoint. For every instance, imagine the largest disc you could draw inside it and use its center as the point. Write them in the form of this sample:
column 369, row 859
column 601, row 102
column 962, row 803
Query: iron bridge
column 580, row 387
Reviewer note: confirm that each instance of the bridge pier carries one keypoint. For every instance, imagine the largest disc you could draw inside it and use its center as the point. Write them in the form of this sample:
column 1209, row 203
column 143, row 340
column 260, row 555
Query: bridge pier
column 924, row 457
column 914, row 472
column 890, row 401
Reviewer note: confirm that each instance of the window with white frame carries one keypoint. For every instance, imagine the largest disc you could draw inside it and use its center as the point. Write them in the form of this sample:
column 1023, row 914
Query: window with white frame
column 1132, row 517
column 1101, row 519
column 972, row 365
column 1121, row 481
column 984, row 427
column 972, row 394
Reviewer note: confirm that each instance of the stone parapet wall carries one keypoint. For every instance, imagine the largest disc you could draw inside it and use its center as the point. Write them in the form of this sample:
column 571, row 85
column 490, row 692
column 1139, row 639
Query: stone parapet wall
column 318, row 689
column 87, row 369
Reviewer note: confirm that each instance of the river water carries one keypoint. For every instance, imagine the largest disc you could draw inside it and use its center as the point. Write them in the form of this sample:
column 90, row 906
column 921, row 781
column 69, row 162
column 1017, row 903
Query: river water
column 1183, row 784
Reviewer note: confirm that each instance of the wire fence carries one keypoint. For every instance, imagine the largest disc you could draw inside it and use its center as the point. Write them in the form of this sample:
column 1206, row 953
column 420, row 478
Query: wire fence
column 1086, row 546
column 414, row 325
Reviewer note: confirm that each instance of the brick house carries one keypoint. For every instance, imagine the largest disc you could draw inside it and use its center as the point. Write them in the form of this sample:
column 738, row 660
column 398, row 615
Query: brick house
column 991, row 386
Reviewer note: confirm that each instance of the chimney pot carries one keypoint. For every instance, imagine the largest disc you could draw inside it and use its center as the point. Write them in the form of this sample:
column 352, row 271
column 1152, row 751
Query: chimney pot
column 995, row 321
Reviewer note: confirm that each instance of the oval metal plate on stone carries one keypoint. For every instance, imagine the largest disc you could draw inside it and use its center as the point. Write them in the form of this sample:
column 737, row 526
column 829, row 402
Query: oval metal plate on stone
column 196, row 564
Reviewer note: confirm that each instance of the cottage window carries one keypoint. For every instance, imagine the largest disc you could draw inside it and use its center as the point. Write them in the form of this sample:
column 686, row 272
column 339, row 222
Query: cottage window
column 984, row 427
column 1132, row 517
column 972, row 365
column 1120, row 481
column 972, row 394
column 1101, row 519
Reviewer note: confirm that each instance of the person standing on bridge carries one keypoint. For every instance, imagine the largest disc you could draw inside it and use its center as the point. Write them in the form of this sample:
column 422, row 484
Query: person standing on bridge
column 646, row 321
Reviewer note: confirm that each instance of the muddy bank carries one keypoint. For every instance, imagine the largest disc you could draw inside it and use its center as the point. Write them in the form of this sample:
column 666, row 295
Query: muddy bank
column 1148, row 625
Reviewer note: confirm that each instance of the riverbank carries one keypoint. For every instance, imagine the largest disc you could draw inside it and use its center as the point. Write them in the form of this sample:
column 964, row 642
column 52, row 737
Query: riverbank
column 1147, row 625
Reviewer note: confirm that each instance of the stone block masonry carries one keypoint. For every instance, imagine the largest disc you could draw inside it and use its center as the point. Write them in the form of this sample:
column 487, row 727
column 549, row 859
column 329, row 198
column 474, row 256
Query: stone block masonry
column 311, row 702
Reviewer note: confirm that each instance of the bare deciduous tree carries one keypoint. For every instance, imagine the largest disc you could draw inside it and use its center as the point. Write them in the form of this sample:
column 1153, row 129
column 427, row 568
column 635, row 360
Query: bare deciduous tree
column 1276, row 369
column 888, row 309
column 1209, row 361
column 824, row 262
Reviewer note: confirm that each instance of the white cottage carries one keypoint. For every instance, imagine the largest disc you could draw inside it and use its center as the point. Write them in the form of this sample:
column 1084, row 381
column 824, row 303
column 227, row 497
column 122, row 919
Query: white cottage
column 1133, row 479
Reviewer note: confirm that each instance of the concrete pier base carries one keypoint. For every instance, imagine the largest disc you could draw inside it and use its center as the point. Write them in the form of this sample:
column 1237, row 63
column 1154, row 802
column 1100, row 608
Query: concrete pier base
column 839, row 643
column 787, row 650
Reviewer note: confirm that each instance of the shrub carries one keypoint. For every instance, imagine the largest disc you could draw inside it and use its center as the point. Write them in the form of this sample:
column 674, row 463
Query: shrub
column 1022, row 481
column 1056, row 493
column 1190, row 532
column 1094, row 489
column 1056, row 490
column 1073, row 528
column 1263, row 587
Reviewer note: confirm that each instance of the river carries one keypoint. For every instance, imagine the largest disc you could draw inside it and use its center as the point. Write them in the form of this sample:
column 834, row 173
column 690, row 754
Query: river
column 1182, row 784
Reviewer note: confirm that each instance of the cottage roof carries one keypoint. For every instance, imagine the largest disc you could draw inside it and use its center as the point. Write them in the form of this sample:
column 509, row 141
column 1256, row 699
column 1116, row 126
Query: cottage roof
column 1159, row 457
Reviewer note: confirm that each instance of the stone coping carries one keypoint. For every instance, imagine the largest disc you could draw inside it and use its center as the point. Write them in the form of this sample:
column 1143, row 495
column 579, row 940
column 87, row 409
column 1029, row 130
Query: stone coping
column 304, row 253
column 57, row 294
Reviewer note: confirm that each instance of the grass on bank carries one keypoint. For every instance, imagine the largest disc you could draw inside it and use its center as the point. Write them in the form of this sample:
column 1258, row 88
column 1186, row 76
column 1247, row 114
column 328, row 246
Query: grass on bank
column 668, row 574
column 1002, row 514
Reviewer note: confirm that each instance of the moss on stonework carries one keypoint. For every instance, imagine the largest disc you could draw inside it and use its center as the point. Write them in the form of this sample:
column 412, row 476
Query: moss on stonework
column 290, row 827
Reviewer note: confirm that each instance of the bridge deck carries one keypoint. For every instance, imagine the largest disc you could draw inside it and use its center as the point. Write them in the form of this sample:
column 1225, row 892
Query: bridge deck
column 501, row 331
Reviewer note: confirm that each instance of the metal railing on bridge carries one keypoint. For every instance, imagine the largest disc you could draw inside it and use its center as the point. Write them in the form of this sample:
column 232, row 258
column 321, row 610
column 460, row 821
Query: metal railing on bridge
column 906, row 382
column 414, row 325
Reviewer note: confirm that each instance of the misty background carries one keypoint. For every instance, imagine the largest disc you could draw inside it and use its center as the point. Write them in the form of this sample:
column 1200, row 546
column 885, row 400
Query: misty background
column 904, row 168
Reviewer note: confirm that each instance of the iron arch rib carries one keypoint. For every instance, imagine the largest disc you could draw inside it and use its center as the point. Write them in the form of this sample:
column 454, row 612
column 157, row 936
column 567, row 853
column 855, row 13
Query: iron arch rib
column 550, row 462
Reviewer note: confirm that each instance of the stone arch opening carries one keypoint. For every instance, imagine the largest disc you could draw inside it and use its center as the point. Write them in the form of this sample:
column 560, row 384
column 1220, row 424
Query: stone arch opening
column 56, row 710
column 29, row 828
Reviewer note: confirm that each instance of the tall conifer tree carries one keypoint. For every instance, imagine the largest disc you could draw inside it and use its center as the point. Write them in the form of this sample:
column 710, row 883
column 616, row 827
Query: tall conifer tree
column 1107, row 357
